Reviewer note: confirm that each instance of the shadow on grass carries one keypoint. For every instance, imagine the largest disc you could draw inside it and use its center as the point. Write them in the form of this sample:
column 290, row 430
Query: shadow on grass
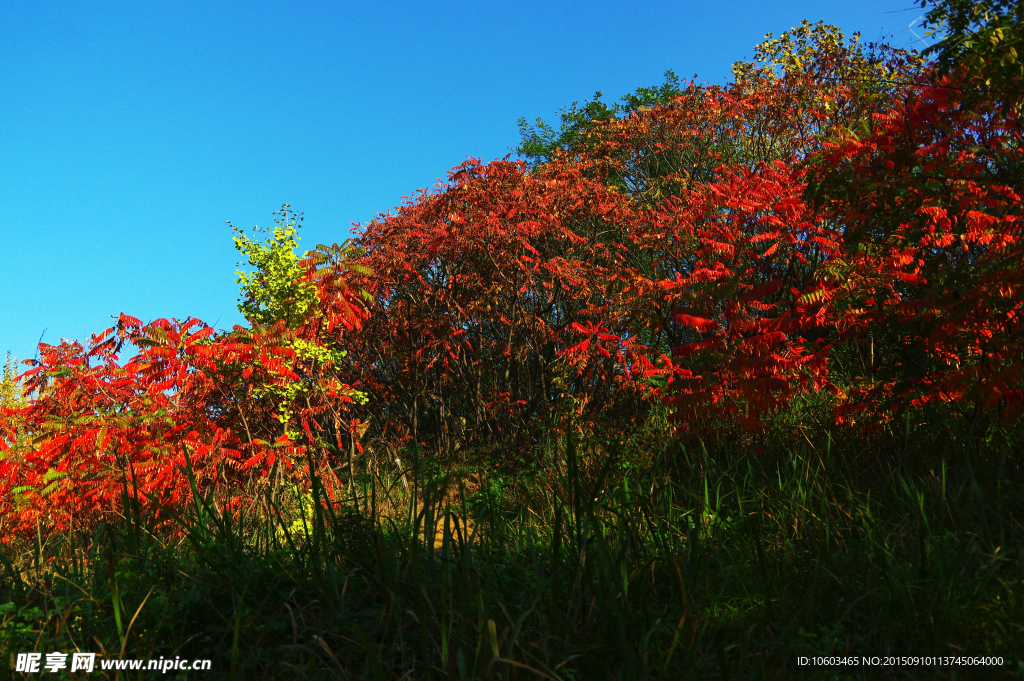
column 691, row 562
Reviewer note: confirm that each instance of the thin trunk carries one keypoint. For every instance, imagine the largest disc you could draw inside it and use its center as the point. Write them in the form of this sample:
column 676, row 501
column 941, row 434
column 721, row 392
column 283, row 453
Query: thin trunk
column 352, row 467
column 872, row 354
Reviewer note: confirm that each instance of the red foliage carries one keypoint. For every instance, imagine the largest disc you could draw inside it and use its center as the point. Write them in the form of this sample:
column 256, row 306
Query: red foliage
column 745, row 230
column 230, row 408
column 508, row 295
column 934, row 258
column 716, row 253
column 743, row 306
column 494, row 297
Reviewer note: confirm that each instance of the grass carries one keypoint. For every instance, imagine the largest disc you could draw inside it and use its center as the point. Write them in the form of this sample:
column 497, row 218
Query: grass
column 611, row 560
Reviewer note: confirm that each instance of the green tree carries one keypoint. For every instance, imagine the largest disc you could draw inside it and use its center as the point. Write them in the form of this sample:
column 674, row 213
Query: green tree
column 277, row 290
column 982, row 37
column 540, row 140
column 11, row 395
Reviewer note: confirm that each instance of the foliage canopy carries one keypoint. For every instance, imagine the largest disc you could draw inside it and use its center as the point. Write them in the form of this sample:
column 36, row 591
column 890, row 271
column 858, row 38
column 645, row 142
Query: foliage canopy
column 840, row 221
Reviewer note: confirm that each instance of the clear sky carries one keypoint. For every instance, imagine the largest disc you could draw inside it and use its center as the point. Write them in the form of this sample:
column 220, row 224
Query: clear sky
column 131, row 131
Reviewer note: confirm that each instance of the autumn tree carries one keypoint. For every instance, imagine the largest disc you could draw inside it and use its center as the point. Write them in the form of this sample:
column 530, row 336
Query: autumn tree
column 477, row 289
column 234, row 413
column 933, row 264
column 515, row 292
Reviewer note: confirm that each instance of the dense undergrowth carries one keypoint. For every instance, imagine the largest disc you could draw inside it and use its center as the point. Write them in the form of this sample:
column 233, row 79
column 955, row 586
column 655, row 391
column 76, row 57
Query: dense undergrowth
column 615, row 560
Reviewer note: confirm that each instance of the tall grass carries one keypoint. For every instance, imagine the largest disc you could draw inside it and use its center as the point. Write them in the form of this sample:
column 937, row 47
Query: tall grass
column 611, row 560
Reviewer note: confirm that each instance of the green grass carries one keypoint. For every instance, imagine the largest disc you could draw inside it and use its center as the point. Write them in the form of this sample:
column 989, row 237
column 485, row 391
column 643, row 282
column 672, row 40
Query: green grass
column 632, row 560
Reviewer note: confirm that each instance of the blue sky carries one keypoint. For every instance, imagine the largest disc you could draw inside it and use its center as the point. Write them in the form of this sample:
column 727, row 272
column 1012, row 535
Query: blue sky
column 130, row 132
